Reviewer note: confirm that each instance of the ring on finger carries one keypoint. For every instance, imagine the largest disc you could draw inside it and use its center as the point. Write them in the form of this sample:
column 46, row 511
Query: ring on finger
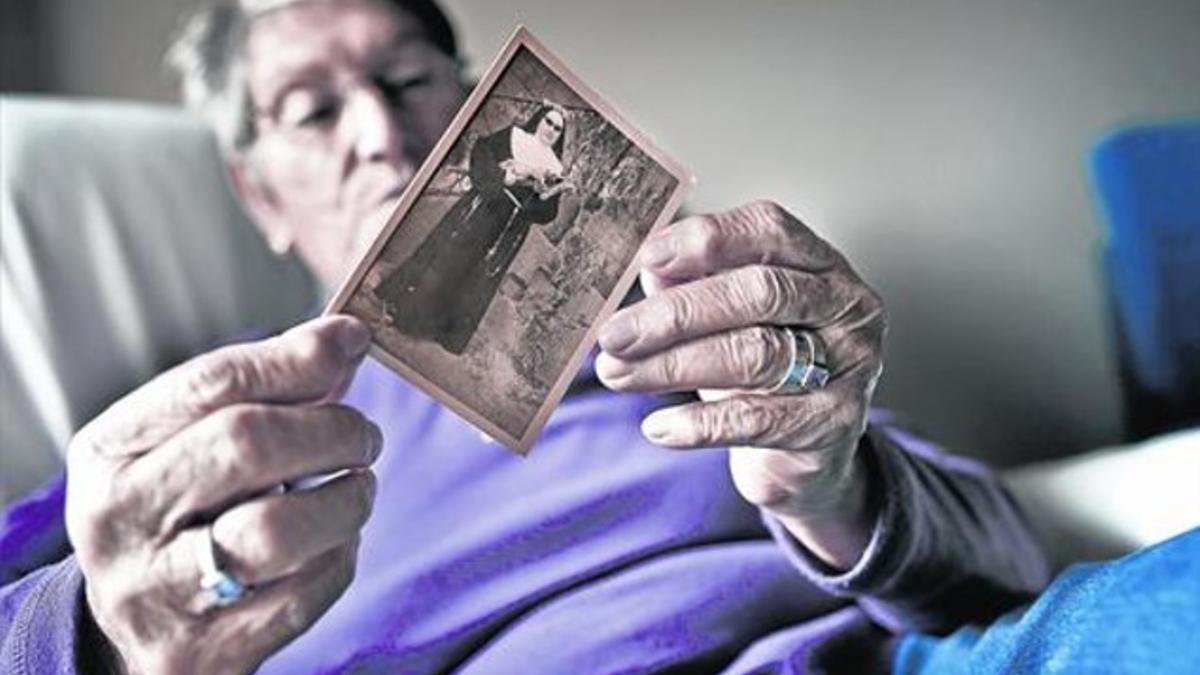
column 807, row 370
column 221, row 588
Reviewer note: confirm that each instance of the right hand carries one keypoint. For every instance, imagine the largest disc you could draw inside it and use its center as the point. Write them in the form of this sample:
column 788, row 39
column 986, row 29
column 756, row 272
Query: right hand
column 208, row 442
column 561, row 187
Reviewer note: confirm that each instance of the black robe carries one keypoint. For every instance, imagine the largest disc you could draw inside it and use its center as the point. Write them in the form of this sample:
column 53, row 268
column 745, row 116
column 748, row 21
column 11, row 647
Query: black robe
column 441, row 292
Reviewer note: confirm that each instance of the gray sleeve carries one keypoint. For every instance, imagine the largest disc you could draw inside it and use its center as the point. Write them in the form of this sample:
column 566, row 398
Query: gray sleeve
column 949, row 545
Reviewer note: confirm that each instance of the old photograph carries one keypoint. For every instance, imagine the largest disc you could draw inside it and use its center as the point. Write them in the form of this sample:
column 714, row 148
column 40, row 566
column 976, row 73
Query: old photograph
column 516, row 239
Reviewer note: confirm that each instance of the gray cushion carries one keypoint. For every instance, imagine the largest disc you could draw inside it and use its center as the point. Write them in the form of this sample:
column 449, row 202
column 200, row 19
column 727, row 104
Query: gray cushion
column 122, row 251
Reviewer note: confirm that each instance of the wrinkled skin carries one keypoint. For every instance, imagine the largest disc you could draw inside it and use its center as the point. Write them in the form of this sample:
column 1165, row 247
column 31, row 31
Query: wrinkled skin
column 351, row 98
column 210, row 441
column 719, row 287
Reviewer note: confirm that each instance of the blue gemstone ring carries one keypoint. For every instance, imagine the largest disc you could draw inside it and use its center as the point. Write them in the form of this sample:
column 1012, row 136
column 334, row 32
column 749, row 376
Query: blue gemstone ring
column 221, row 587
column 807, row 370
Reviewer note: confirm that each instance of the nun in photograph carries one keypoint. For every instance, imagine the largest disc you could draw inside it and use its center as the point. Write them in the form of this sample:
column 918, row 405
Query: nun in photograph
column 442, row 291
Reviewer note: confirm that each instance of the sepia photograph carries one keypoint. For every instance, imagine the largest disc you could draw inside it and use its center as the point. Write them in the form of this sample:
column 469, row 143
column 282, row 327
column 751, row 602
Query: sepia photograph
column 515, row 240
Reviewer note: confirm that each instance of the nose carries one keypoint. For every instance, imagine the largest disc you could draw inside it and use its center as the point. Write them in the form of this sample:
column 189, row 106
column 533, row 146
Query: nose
column 375, row 132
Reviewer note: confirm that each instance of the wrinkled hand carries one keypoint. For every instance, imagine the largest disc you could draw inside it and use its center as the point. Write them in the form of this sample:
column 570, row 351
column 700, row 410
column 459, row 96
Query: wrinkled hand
column 209, row 442
column 719, row 288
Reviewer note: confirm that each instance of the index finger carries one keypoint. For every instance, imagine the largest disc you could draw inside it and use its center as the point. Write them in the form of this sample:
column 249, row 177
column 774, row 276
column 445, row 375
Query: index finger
column 305, row 364
column 746, row 296
column 761, row 233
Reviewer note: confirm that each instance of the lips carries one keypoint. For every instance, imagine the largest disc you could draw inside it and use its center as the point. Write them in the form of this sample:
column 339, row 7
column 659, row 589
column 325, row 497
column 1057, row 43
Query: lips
column 375, row 184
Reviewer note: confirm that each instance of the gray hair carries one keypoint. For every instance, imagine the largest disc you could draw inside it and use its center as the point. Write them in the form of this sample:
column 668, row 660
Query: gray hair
column 208, row 55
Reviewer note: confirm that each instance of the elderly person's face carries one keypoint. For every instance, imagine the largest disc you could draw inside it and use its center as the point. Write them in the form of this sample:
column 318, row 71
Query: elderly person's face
column 349, row 97
column 550, row 127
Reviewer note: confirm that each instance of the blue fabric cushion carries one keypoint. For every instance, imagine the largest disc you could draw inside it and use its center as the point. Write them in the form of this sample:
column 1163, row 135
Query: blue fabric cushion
column 1148, row 181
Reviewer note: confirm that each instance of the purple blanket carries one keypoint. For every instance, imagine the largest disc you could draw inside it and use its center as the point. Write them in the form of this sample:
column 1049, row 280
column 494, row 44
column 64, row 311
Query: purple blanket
column 598, row 553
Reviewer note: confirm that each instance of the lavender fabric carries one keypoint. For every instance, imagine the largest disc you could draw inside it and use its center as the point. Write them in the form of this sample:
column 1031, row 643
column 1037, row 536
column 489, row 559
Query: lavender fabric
column 597, row 553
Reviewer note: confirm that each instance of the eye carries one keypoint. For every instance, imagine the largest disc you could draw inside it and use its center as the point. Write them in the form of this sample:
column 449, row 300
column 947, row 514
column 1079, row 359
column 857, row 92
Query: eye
column 395, row 87
column 320, row 116
column 308, row 109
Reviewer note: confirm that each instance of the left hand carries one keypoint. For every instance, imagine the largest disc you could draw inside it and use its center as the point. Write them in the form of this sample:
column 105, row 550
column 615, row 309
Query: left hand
column 720, row 287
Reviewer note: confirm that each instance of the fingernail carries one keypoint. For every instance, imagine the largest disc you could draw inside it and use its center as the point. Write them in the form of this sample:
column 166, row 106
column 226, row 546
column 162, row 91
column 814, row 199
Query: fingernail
column 657, row 426
column 376, row 441
column 609, row 368
column 617, row 335
column 370, row 482
column 657, row 253
column 353, row 337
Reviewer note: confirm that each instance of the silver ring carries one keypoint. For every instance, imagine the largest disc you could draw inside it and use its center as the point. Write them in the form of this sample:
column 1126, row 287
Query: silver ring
column 221, row 587
column 807, row 370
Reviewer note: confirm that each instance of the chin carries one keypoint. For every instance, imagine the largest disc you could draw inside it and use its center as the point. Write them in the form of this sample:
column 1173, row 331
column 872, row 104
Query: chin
column 361, row 232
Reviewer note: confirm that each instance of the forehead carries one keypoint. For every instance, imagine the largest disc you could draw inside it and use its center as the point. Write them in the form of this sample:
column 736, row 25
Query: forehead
column 553, row 115
column 324, row 35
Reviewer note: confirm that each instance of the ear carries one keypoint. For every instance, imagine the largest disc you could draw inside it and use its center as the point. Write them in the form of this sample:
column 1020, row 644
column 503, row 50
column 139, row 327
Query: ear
column 260, row 202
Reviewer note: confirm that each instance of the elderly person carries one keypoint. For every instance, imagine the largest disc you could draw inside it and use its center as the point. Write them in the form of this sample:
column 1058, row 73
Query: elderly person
column 744, row 543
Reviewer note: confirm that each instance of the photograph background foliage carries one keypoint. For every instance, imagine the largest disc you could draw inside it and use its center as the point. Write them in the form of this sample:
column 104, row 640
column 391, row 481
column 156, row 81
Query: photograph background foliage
column 564, row 271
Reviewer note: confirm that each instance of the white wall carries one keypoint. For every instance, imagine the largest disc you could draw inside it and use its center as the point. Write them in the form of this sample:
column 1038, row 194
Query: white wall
column 939, row 142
